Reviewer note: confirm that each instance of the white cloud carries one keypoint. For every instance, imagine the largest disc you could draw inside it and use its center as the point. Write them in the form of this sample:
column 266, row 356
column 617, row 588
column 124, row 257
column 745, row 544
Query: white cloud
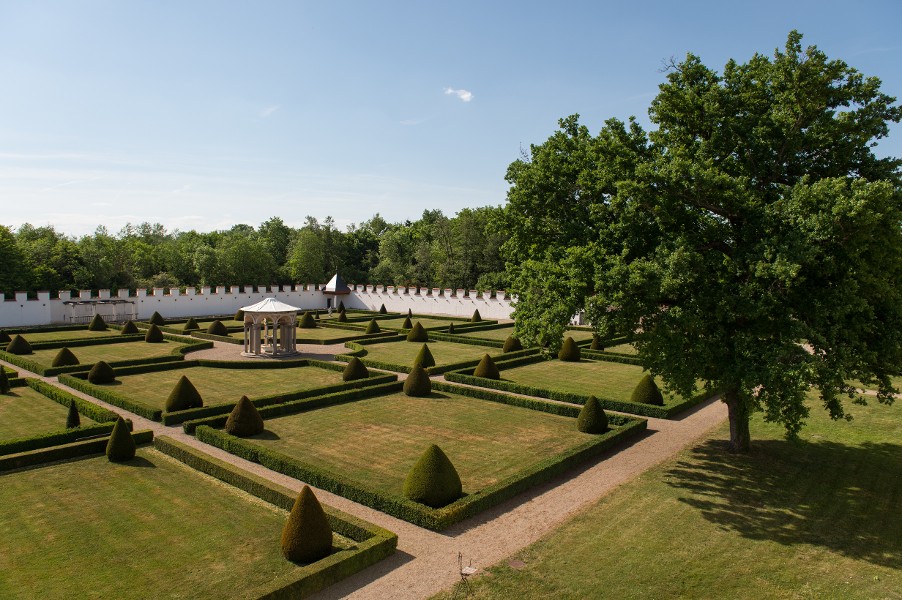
column 269, row 110
column 464, row 95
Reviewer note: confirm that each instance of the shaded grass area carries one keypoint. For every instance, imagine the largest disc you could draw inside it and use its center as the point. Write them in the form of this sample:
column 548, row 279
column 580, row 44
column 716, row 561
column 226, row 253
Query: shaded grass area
column 622, row 349
column 70, row 334
column 376, row 441
column 424, row 321
column 148, row 528
column 588, row 377
column 221, row 386
column 25, row 413
column 814, row 518
column 445, row 353
column 88, row 355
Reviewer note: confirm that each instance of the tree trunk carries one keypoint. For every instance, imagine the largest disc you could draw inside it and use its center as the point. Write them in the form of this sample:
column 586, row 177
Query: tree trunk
column 740, row 439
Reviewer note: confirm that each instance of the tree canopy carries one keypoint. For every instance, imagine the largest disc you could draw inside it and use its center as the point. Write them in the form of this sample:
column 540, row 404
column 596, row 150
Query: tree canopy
column 751, row 241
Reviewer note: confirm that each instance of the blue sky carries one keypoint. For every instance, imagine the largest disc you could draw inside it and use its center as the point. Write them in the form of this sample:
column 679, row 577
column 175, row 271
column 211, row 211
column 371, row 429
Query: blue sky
column 200, row 115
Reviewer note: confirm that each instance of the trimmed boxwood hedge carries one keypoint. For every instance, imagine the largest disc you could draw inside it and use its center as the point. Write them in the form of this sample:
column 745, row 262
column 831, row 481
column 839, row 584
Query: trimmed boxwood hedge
column 372, row 543
column 359, row 350
column 62, row 452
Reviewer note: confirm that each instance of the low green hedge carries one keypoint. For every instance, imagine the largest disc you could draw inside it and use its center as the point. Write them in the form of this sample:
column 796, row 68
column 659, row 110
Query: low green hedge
column 616, row 357
column 359, row 350
column 109, row 396
column 88, row 409
column 65, row 451
column 459, row 339
column 203, row 335
column 55, row 438
column 418, row 514
column 81, row 342
column 373, row 543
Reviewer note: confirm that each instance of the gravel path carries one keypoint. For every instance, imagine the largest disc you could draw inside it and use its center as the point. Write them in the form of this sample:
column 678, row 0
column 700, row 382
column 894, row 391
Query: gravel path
column 426, row 561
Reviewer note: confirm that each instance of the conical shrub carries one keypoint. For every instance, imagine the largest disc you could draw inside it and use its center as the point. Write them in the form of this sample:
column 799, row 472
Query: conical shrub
column 101, row 373
column 511, row 344
column 476, row 318
column 341, row 306
column 451, row 328
column 316, row 314
column 433, row 480
column 596, row 343
column 153, row 335
column 424, row 358
column 156, row 319
column 191, row 325
column 406, row 324
column 97, row 324
column 64, row 358
column 18, row 345
column 183, row 396
column 307, row 321
column 591, row 417
column 569, row 352
column 342, row 317
column 372, row 327
column 4, row 337
column 239, row 316
column 121, row 446
column 355, row 369
column 218, row 328
column 417, row 333
column 647, row 392
column 487, row 368
column 73, row 419
column 382, row 310
column 307, row 536
column 244, row 420
column 417, row 383
column 4, row 381
column 129, row 328
column 409, row 313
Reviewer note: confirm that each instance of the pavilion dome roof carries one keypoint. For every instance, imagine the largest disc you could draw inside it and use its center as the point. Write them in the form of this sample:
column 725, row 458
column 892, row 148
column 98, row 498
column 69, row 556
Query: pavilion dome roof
column 270, row 305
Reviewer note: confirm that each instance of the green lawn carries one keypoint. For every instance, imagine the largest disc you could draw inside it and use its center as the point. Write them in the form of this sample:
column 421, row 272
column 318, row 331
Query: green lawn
column 319, row 333
column 222, row 386
column 72, row 334
column 611, row 380
column 26, row 413
column 578, row 335
column 816, row 518
column 491, row 334
column 149, row 528
column 376, row 441
column 622, row 349
column 88, row 355
column 424, row 321
column 403, row 353
column 204, row 323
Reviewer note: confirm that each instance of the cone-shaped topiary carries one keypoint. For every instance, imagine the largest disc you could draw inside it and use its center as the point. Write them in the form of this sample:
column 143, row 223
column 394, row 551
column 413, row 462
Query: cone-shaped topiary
column 341, row 306
column 596, row 343
column 129, row 328
column 157, row 319
column 417, row 333
column 4, row 337
column 64, row 358
column 417, row 383
column 355, row 369
column 18, row 345
column 307, row 536
column 97, row 324
column 191, row 325
column 121, row 446
column 73, row 419
column 244, row 420
column 512, row 344
column 4, row 381
column 342, row 317
column 406, row 324
column 591, row 417
column 183, row 396
column 487, row 368
column 409, row 313
column 451, row 328
column 433, row 480
column 476, row 317
column 372, row 327
column 424, row 358
column 316, row 314
column 647, row 392
column 307, row 321
column 239, row 316
column 153, row 335
column 101, row 373
column 569, row 351
column 382, row 310
column 218, row 328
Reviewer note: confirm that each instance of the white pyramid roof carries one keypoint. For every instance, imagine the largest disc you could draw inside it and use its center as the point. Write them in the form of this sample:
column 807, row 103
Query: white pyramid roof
column 337, row 285
column 270, row 305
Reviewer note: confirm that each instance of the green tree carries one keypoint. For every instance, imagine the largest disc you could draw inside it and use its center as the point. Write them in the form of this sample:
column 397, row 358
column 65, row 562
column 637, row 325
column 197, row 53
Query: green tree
column 751, row 241
column 14, row 269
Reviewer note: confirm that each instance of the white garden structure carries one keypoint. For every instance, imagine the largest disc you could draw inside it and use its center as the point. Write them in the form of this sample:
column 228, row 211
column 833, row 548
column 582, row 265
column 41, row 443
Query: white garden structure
column 269, row 328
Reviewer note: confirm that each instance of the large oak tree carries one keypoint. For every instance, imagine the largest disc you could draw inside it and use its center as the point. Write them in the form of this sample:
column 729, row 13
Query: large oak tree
column 751, row 240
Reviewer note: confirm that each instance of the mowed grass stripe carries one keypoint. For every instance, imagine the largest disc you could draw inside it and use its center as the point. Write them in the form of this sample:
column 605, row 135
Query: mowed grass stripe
column 376, row 441
column 72, row 334
column 26, row 413
column 149, row 528
column 445, row 353
column 88, row 355
column 221, row 386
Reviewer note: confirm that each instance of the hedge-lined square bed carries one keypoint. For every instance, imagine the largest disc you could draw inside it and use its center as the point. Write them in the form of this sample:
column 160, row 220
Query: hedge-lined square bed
column 427, row 322
column 164, row 530
column 501, row 333
column 66, row 334
column 88, row 355
column 25, row 412
column 400, row 354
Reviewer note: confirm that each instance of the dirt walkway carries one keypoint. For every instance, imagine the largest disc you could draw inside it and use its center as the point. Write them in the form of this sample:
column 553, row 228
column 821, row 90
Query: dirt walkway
column 426, row 561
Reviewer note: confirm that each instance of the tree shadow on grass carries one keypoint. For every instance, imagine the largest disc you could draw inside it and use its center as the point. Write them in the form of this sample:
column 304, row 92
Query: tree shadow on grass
column 839, row 497
column 266, row 434
column 140, row 462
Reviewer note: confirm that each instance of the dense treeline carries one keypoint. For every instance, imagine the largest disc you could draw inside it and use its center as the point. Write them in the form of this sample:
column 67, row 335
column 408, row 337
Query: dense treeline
column 436, row 250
